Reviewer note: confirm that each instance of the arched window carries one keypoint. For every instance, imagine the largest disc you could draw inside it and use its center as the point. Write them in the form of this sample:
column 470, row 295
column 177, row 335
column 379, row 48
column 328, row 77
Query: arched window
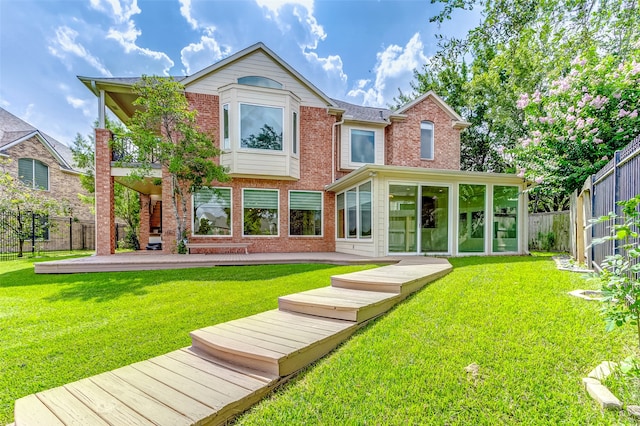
column 33, row 173
column 426, row 140
column 255, row 80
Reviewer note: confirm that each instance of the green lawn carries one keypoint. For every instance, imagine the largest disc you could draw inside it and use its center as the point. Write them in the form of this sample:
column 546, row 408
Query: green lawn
column 56, row 329
column 511, row 315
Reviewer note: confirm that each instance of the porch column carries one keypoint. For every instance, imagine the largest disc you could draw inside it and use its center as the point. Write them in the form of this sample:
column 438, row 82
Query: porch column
column 169, row 223
column 145, row 201
column 105, row 201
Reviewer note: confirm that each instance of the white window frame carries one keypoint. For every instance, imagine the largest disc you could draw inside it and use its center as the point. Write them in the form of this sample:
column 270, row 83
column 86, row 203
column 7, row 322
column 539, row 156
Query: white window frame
column 226, row 127
column 33, row 173
column 278, row 214
column 375, row 145
column 358, row 214
column 282, row 109
column 432, row 142
column 321, row 214
column 230, row 214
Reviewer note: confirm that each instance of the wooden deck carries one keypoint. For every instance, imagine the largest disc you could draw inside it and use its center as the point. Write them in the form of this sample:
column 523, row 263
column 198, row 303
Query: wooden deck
column 231, row 366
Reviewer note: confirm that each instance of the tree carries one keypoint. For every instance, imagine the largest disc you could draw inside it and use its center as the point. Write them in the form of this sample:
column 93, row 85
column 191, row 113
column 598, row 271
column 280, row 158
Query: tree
column 164, row 131
column 579, row 120
column 266, row 139
column 127, row 202
column 519, row 47
column 25, row 211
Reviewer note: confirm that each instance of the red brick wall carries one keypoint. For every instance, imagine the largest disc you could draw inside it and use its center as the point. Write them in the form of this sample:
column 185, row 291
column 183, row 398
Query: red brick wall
column 315, row 173
column 145, row 200
column 105, row 215
column 402, row 139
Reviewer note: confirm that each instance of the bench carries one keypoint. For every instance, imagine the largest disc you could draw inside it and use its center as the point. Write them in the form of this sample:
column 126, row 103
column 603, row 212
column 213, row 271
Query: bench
column 217, row 245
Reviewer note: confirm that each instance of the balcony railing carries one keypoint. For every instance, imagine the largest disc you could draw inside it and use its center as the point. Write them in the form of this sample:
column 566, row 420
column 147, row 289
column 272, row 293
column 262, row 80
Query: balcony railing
column 124, row 151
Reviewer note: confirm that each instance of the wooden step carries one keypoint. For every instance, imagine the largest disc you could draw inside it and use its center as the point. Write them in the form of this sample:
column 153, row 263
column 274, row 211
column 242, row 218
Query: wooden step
column 339, row 303
column 403, row 278
column 181, row 387
column 274, row 342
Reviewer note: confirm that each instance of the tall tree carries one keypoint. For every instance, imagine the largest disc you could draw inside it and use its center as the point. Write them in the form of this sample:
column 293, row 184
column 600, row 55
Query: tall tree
column 519, row 47
column 164, row 131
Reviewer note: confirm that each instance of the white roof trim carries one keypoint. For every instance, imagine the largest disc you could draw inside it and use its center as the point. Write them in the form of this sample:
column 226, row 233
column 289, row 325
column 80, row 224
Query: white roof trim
column 454, row 115
column 44, row 141
column 249, row 50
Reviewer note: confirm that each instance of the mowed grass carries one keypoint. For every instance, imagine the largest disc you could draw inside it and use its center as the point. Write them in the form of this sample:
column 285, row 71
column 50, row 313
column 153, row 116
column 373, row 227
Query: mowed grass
column 55, row 329
column 512, row 316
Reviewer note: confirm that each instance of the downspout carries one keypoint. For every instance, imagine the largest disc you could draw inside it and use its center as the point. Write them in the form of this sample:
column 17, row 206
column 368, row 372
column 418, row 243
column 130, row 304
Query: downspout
column 333, row 148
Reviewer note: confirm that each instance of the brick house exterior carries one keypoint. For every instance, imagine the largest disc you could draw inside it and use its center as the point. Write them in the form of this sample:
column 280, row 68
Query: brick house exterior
column 20, row 140
column 328, row 179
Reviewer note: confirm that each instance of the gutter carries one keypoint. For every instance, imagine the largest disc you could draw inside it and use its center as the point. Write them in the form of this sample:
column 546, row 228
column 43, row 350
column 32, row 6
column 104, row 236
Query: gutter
column 333, row 148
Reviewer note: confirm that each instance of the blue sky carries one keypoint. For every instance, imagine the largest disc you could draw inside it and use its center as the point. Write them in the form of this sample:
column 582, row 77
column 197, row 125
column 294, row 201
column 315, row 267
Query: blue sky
column 357, row 51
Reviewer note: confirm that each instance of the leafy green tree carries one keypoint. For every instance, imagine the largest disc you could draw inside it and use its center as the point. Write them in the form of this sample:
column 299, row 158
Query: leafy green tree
column 579, row 120
column 164, row 131
column 25, row 210
column 518, row 47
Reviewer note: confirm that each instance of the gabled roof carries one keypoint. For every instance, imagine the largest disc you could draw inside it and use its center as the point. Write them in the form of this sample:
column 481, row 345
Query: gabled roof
column 458, row 121
column 14, row 131
column 363, row 113
column 248, row 51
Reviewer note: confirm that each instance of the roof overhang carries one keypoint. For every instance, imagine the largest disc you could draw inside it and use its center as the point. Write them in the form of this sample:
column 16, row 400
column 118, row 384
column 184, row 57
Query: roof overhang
column 119, row 96
column 422, row 174
column 47, row 145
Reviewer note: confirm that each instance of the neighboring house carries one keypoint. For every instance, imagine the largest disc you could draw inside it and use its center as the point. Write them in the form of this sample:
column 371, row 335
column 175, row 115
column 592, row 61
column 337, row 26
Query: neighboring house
column 45, row 164
column 315, row 174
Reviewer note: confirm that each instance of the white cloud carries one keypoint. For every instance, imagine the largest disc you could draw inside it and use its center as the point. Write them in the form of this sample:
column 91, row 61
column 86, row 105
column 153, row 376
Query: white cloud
column 127, row 38
column 332, row 65
column 197, row 56
column 81, row 104
column 394, row 69
column 64, row 43
column 185, row 11
column 121, row 11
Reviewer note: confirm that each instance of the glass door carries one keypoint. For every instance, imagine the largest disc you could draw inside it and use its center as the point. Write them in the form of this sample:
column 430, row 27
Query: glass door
column 434, row 219
column 403, row 209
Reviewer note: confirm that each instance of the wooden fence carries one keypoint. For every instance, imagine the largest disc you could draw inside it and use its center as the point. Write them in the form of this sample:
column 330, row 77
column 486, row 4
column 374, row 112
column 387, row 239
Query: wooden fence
column 549, row 231
column 619, row 180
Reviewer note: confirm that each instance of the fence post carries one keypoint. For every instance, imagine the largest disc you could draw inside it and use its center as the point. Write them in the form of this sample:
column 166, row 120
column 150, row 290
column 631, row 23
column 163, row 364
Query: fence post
column 616, row 193
column 33, row 234
column 70, row 234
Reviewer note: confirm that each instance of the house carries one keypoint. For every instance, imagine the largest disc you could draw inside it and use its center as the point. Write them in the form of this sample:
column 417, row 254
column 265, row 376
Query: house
column 45, row 164
column 315, row 174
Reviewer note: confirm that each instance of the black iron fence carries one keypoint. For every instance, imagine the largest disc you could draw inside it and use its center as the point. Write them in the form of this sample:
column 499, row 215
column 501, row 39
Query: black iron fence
column 27, row 234
column 125, row 151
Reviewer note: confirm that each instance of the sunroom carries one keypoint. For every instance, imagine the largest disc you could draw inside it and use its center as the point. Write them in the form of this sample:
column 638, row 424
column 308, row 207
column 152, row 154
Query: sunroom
column 390, row 210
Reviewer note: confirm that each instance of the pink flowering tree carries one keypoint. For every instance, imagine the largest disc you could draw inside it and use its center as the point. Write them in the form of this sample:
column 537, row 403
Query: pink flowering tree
column 576, row 123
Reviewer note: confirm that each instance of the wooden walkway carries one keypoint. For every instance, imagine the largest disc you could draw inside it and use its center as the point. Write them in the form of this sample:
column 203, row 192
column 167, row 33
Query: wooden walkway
column 231, row 366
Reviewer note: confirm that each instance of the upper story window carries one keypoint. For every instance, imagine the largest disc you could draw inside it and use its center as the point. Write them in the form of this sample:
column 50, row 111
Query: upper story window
column 225, row 127
column 294, row 139
column 426, row 140
column 261, row 127
column 33, row 173
column 363, row 144
column 256, row 80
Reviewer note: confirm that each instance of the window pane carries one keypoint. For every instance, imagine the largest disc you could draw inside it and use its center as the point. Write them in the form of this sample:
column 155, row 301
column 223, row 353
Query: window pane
column 260, row 212
column 295, row 132
column 260, row 127
column 212, row 211
column 25, row 171
column 471, row 218
column 352, row 213
column 426, row 140
column 42, row 175
column 225, row 126
column 505, row 218
column 434, row 221
column 305, row 213
column 402, row 218
column 340, row 222
column 362, row 146
column 364, row 202
column 260, row 82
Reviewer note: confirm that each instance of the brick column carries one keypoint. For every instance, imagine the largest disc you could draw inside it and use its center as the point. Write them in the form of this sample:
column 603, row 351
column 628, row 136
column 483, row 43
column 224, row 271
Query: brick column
column 105, row 212
column 169, row 223
column 145, row 200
